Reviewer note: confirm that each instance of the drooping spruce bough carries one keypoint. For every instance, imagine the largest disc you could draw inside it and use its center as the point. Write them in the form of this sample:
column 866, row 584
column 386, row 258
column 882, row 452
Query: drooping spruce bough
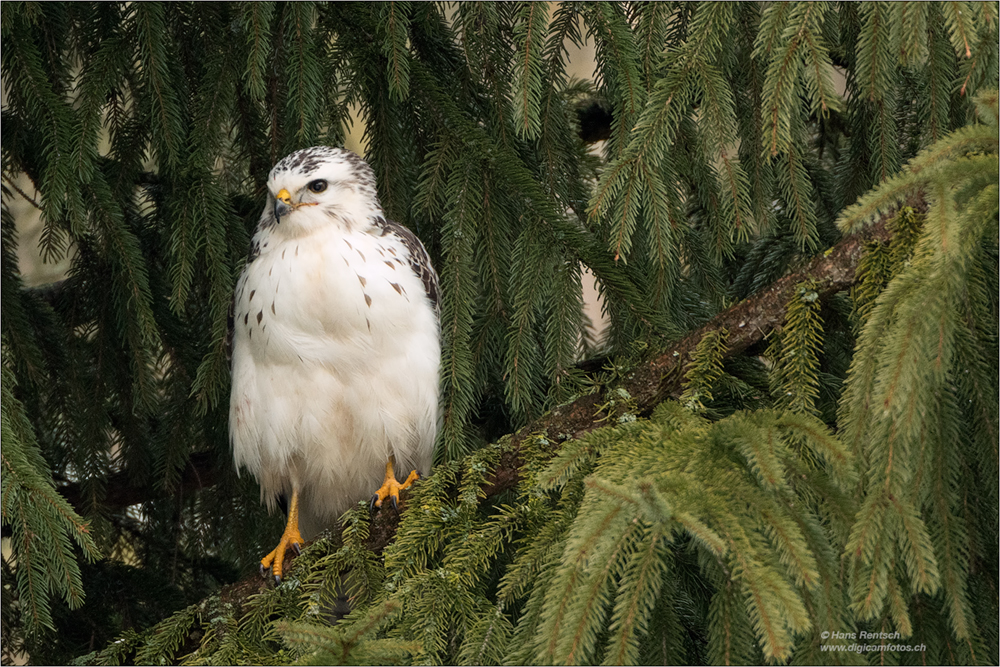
column 840, row 475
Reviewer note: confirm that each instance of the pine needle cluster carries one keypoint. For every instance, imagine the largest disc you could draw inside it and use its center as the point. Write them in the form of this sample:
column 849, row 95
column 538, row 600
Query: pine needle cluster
column 794, row 378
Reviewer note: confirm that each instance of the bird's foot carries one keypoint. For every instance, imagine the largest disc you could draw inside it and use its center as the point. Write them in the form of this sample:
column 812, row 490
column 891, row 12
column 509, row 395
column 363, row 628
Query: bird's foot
column 390, row 489
column 274, row 561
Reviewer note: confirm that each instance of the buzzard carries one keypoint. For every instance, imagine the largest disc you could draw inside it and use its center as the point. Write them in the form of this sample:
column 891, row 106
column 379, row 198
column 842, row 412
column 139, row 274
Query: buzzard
column 335, row 347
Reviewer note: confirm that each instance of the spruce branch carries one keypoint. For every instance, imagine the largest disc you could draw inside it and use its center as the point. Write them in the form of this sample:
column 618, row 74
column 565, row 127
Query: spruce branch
column 203, row 470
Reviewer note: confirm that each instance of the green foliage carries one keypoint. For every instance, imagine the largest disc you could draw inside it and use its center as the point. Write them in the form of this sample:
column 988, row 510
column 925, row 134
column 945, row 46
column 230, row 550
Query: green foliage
column 596, row 545
column 882, row 262
column 918, row 386
column 794, row 378
column 641, row 503
column 328, row 646
column 44, row 527
column 735, row 136
column 705, row 370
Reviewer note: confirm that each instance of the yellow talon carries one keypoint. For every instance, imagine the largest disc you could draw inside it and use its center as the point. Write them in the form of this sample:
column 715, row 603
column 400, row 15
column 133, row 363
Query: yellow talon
column 290, row 538
column 390, row 487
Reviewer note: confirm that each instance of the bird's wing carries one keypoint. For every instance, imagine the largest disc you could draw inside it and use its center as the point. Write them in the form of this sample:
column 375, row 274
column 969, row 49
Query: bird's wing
column 420, row 261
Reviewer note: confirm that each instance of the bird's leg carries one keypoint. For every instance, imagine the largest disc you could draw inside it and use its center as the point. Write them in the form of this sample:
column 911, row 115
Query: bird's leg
column 390, row 487
column 290, row 538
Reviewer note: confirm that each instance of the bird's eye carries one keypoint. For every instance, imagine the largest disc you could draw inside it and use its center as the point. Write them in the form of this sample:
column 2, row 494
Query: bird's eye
column 317, row 186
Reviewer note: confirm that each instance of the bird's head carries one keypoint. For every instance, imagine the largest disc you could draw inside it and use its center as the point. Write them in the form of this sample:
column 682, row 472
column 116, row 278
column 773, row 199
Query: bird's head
column 319, row 185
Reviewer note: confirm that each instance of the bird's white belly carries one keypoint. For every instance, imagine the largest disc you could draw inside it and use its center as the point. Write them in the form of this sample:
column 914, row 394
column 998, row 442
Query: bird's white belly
column 335, row 368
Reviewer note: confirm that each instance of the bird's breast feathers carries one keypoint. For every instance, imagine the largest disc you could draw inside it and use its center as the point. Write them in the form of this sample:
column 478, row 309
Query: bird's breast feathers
column 310, row 296
column 335, row 362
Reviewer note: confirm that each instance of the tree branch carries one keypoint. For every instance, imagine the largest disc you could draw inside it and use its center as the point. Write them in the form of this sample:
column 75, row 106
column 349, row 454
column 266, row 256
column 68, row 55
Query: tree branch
column 748, row 322
column 203, row 470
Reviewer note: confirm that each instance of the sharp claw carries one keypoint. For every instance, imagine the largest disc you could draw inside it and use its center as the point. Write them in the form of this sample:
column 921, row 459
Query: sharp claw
column 298, row 548
column 277, row 580
column 263, row 570
column 373, row 504
column 395, row 503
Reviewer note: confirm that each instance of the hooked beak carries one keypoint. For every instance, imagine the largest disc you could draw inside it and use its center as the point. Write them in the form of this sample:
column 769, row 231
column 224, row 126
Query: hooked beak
column 282, row 204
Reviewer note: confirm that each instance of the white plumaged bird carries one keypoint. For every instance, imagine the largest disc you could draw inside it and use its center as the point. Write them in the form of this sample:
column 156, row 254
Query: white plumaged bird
column 335, row 346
